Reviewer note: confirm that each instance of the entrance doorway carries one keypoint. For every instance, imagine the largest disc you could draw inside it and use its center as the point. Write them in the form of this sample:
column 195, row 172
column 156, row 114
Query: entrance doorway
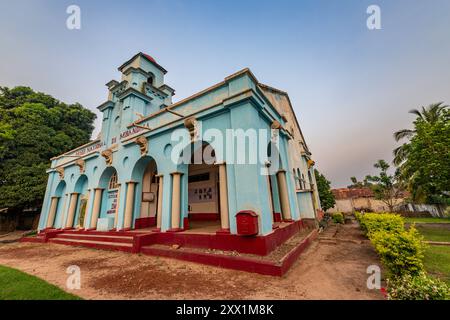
column 82, row 214
column 149, row 197
column 82, row 192
column 203, row 191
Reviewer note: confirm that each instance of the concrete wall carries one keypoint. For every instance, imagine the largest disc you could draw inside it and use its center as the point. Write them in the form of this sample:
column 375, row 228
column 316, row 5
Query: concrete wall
column 367, row 204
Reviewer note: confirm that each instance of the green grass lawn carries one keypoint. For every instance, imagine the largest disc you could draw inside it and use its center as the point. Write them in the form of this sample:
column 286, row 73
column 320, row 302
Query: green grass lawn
column 434, row 233
column 437, row 262
column 427, row 220
column 17, row 285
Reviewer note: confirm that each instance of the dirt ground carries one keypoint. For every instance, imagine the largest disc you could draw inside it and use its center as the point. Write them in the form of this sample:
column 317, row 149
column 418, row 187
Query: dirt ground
column 326, row 270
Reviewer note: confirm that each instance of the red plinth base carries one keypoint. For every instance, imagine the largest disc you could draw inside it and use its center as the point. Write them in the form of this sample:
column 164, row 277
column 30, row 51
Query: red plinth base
column 156, row 230
column 223, row 231
column 175, row 230
column 277, row 217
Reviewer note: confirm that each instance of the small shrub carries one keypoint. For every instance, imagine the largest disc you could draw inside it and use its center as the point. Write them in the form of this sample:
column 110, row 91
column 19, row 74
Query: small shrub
column 419, row 287
column 373, row 222
column 447, row 212
column 338, row 218
column 401, row 252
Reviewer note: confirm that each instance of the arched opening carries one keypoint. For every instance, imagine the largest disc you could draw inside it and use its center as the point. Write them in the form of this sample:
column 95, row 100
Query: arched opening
column 110, row 194
column 81, row 189
column 274, row 165
column 60, row 198
column 203, row 189
column 150, row 80
column 146, row 199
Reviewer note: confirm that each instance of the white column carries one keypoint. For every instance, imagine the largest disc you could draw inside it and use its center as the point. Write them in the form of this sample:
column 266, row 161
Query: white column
column 160, row 200
column 223, row 191
column 176, row 200
column 284, row 197
column 96, row 209
column 52, row 212
column 72, row 208
column 129, row 204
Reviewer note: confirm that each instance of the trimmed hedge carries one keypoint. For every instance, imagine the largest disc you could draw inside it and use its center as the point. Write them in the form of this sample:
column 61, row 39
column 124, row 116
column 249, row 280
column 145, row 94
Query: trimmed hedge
column 373, row 222
column 402, row 253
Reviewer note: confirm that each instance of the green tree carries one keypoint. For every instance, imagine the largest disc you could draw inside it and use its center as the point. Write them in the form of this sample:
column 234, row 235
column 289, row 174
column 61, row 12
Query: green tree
column 35, row 127
column 424, row 160
column 358, row 184
column 326, row 197
column 430, row 115
column 386, row 187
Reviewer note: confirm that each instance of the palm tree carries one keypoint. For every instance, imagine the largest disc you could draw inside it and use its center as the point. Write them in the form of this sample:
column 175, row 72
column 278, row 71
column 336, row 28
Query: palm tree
column 429, row 114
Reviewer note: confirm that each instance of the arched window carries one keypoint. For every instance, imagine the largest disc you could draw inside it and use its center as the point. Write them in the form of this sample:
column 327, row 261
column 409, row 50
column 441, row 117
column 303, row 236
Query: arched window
column 299, row 179
column 150, row 80
column 310, row 180
column 296, row 179
column 113, row 182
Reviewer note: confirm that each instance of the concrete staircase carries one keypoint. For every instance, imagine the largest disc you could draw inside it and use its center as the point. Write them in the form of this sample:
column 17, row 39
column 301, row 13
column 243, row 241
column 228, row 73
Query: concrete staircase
column 99, row 240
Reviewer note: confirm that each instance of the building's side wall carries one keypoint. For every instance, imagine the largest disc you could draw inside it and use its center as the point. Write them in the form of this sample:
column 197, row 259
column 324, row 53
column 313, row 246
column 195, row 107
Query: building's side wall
column 298, row 167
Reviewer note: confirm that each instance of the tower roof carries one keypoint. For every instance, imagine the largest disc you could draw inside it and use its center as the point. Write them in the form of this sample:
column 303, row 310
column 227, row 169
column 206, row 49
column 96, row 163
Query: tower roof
column 147, row 57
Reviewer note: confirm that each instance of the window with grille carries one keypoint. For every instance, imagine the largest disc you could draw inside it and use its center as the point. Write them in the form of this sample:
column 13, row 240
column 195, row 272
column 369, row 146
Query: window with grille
column 113, row 182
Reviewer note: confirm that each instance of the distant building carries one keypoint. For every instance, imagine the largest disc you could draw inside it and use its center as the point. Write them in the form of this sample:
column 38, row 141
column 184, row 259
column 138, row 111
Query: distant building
column 357, row 199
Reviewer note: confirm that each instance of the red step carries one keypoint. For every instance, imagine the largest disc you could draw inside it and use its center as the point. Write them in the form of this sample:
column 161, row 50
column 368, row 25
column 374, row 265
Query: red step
column 36, row 239
column 218, row 260
column 105, row 233
column 243, row 263
column 106, row 245
column 95, row 237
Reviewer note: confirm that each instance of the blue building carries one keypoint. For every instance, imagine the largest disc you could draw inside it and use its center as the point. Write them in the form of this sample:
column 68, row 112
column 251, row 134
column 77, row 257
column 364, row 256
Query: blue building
column 138, row 174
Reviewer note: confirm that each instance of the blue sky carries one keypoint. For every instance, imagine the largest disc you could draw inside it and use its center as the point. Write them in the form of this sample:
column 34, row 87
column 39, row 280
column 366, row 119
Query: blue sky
column 351, row 87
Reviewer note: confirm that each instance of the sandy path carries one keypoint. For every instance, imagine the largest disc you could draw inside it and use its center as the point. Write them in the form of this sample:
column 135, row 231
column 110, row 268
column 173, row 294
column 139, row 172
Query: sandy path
column 324, row 271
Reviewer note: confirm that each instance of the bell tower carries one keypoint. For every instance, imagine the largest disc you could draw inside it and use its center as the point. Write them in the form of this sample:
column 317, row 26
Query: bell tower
column 140, row 93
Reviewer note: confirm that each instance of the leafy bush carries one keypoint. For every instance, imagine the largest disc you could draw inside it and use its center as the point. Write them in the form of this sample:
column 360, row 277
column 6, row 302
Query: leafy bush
column 338, row 217
column 401, row 252
column 419, row 287
column 373, row 222
column 447, row 212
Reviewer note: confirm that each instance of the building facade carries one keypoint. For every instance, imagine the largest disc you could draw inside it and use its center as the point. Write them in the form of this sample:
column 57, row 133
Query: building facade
column 178, row 166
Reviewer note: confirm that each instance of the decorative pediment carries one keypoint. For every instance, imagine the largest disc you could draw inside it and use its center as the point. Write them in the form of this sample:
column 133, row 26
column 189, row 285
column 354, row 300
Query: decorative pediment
column 60, row 171
column 192, row 125
column 142, row 142
column 82, row 164
column 108, row 155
